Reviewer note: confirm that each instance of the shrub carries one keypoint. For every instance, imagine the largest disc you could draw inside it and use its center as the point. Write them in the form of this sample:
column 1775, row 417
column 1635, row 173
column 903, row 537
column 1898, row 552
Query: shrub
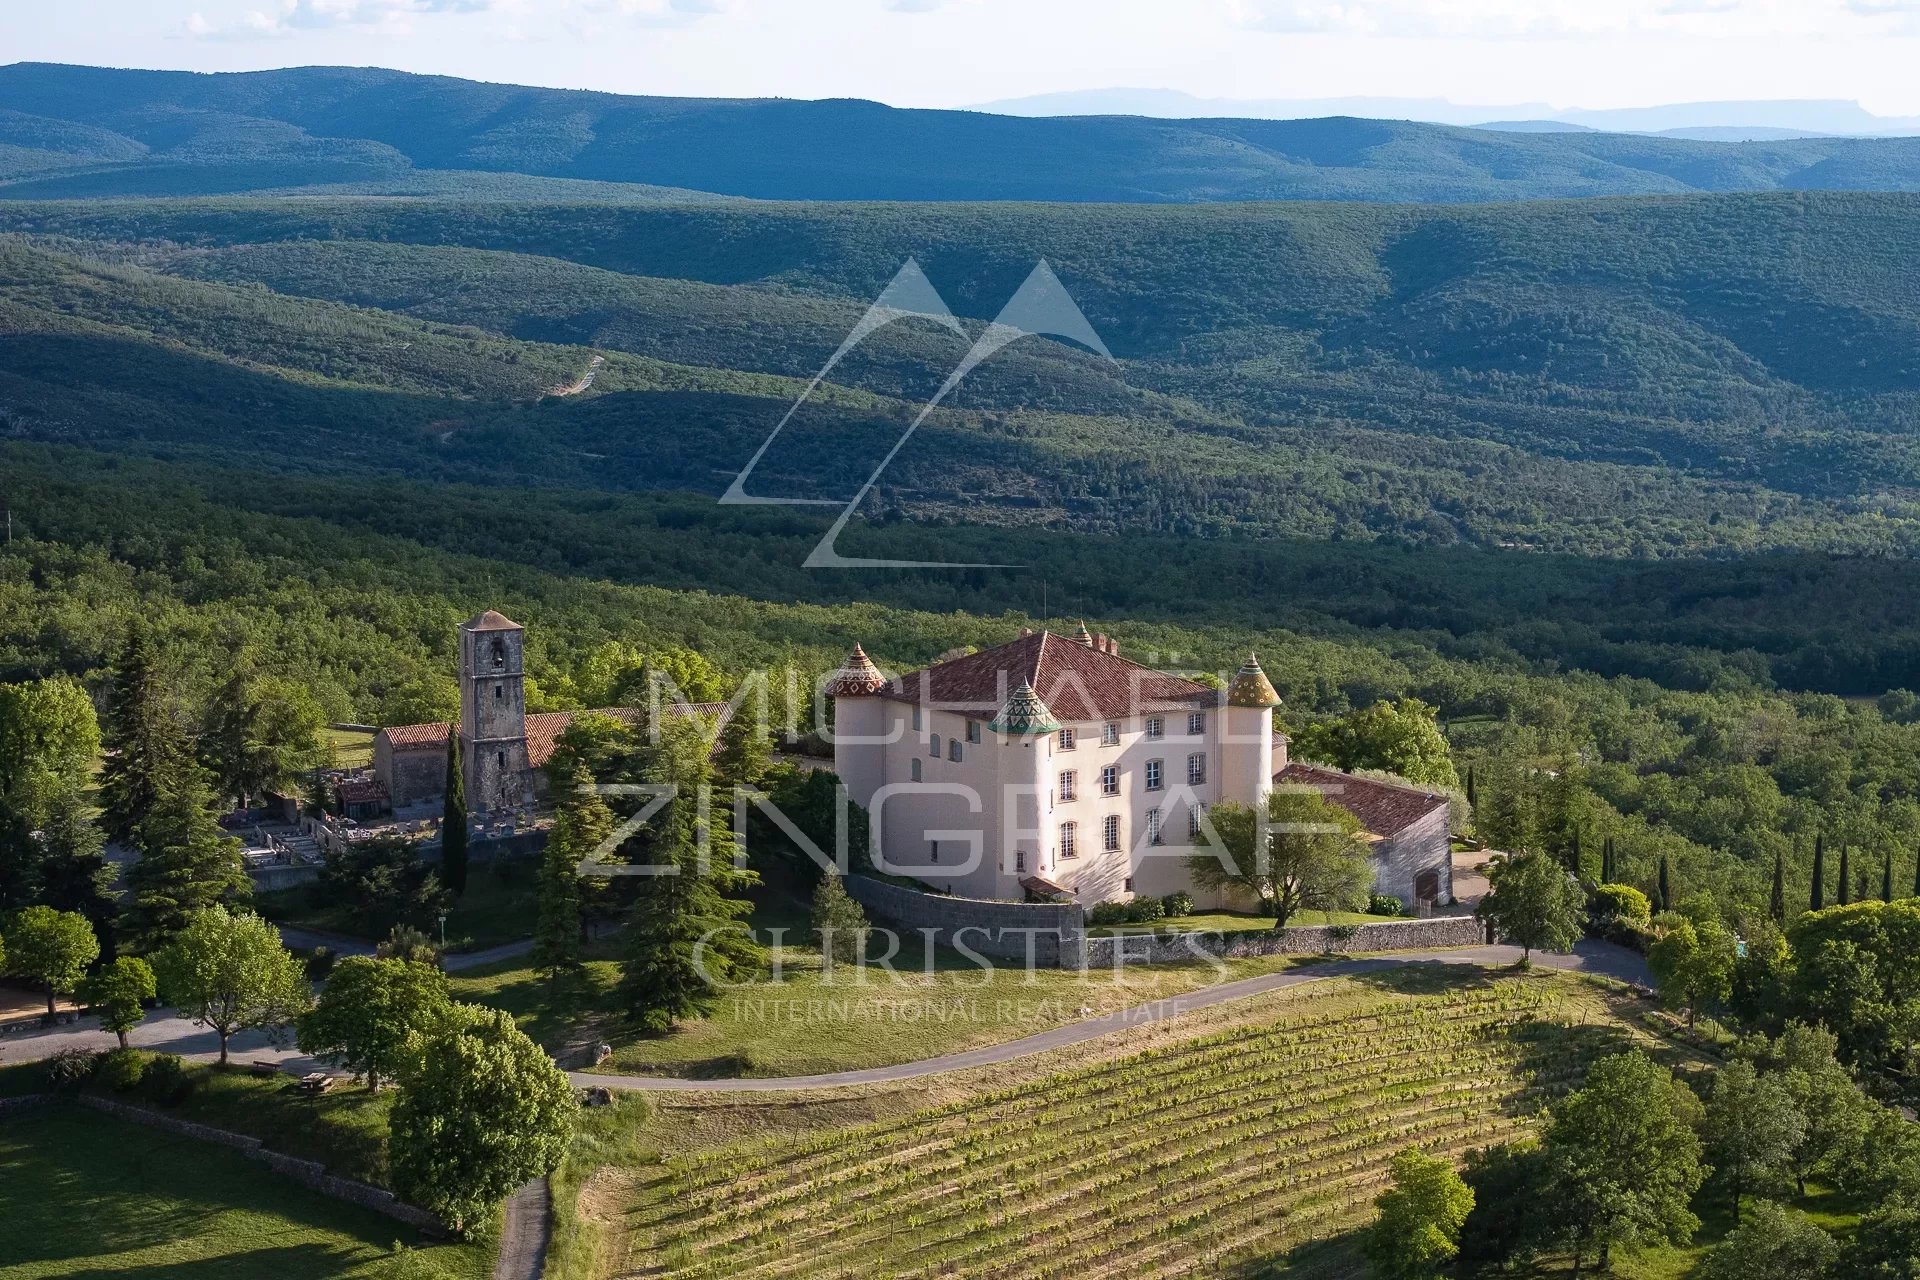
column 1105, row 913
column 1178, row 903
column 1383, row 904
column 71, row 1068
column 121, row 1070
column 168, row 1081
column 320, row 962
column 1145, row 911
column 1620, row 902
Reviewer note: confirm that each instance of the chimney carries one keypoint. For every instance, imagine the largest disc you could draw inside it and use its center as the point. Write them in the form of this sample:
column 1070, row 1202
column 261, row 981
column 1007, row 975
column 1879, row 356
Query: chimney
column 1113, row 646
column 1101, row 643
column 1025, row 632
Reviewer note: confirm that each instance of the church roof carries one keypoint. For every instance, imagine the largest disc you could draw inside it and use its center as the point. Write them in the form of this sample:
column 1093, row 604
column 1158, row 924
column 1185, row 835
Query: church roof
column 1250, row 687
column 1075, row 682
column 1024, row 714
column 490, row 620
column 1385, row 809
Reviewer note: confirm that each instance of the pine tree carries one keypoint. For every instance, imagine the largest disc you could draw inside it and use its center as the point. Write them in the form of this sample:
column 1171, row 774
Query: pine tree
column 839, row 925
column 1817, row 899
column 1777, row 903
column 744, row 756
column 1666, row 885
column 1845, row 892
column 1574, row 860
column 684, row 931
column 186, row 863
column 145, row 743
column 453, row 821
column 583, row 821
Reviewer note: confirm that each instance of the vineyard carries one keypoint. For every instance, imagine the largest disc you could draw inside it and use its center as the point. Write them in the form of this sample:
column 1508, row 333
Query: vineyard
column 1206, row 1157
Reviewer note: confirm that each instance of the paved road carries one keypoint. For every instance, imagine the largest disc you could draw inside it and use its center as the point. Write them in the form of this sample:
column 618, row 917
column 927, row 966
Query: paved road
column 1588, row 956
column 525, row 1233
column 165, row 1031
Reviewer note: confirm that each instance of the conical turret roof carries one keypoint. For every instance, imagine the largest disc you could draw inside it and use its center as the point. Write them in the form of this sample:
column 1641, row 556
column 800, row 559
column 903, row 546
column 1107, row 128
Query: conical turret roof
column 856, row 678
column 1083, row 636
column 1024, row 715
column 1250, row 687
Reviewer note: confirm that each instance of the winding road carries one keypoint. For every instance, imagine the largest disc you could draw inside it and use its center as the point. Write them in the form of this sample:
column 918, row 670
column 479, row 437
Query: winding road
column 1589, row 956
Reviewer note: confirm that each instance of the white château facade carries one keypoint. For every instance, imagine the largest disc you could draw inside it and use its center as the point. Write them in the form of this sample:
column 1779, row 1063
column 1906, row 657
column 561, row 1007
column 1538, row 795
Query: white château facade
column 1051, row 766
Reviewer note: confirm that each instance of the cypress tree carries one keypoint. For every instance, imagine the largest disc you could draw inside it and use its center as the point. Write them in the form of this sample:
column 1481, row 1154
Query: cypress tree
column 1817, row 899
column 1473, row 798
column 1607, row 868
column 1777, row 904
column 1666, row 884
column 453, row 821
column 1845, row 893
column 1886, row 878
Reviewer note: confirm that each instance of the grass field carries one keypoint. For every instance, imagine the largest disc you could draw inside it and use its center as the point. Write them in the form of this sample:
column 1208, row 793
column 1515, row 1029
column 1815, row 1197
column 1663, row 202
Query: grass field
column 87, row 1196
column 1254, row 1135
column 347, row 748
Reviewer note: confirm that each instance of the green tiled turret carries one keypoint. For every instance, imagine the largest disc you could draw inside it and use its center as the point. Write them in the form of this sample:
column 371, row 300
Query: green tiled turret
column 1250, row 687
column 1024, row 715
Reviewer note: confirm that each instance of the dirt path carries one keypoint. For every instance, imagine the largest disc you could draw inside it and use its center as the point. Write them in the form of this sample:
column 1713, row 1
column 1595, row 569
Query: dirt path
column 526, row 1232
column 1588, row 956
column 582, row 382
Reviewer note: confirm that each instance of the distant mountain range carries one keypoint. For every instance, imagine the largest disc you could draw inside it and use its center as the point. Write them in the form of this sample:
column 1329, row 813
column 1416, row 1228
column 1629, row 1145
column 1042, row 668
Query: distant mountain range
column 1720, row 121
column 75, row 132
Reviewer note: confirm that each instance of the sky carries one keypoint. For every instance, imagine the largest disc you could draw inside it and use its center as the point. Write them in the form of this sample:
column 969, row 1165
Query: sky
column 933, row 53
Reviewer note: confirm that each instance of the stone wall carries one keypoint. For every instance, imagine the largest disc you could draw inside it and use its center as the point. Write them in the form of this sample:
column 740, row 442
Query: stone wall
column 1052, row 933
column 1387, row 935
column 308, row 1173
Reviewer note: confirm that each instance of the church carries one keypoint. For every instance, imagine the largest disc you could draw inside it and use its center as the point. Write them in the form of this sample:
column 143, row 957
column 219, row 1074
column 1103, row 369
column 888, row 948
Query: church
column 1051, row 767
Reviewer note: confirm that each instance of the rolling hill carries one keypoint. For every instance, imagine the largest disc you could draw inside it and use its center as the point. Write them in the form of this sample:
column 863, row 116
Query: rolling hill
column 70, row 131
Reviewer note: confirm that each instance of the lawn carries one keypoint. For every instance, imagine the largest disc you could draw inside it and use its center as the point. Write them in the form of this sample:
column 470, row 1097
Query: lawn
column 1249, row 1136
column 88, row 1196
column 499, row 906
column 1242, row 922
column 348, row 748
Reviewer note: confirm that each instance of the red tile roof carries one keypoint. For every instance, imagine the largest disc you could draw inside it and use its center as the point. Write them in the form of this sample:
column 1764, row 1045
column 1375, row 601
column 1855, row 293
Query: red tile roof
column 1384, row 808
column 543, row 728
column 1077, row 683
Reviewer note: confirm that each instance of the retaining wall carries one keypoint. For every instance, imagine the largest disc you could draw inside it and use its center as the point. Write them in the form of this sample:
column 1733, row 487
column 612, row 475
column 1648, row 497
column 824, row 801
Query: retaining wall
column 308, row 1173
column 1387, row 935
column 1052, row 933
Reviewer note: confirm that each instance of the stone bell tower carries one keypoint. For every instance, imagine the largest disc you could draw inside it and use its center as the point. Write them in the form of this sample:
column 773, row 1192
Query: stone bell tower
column 493, row 714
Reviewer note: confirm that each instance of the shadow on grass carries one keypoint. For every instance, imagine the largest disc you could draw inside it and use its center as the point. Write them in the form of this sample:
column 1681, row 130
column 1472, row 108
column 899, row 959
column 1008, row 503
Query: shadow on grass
column 295, row 1262
column 1337, row 1255
column 1432, row 977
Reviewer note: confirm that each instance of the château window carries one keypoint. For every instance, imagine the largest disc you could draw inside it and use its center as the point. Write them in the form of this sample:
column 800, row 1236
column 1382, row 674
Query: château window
column 1069, row 833
column 1153, row 826
column 1196, row 768
column 916, row 719
column 1110, row 833
column 1019, row 859
column 1068, row 781
column 501, row 757
column 933, row 848
column 1193, row 820
column 1154, row 770
column 914, row 768
column 953, row 750
column 1066, row 739
column 973, row 731
column 1110, row 780
column 1109, row 734
column 1196, row 723
column 933, row 746
column 1126, row 886
column 1156, row 727
column 499, row 692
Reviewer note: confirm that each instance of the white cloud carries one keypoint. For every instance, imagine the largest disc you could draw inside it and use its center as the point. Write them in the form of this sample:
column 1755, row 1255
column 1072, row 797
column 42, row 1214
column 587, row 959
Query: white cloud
column 396, row 17
column 1515, row 19
column 912, row 6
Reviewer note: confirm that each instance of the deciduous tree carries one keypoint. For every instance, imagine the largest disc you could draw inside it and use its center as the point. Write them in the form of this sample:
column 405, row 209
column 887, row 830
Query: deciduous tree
column 839, row 925
column 481, row 1110
column 371, row 1015
column 1772, row 1243
column 1752, row 1130
column 118, row 993
column 1401, row 737
column 1304, row 853
column 1534, row 903
column 229, row 973
column 1420, row 1216
column 1693, row 963
column 51, row 948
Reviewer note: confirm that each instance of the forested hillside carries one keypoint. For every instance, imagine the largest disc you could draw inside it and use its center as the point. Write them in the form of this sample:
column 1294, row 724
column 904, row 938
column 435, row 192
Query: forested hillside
column 88, row 131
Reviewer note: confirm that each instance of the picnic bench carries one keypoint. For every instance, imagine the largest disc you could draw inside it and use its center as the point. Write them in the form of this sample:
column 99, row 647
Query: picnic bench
column 316, row 1082
column 263, row 1070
